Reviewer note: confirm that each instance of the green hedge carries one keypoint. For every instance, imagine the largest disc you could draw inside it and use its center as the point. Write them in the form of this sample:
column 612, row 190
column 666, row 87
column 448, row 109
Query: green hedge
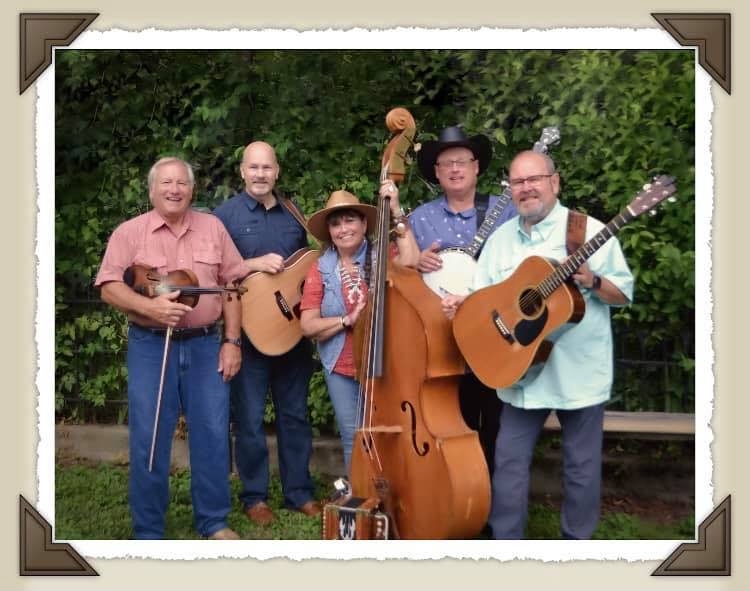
column 623, row 116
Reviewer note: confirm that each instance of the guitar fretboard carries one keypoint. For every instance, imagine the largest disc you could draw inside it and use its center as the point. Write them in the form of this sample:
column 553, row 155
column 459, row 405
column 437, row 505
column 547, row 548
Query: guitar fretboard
column 580, row 256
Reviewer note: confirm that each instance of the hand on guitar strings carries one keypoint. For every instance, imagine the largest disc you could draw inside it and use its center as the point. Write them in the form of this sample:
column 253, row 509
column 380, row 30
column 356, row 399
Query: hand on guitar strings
column 429, row 260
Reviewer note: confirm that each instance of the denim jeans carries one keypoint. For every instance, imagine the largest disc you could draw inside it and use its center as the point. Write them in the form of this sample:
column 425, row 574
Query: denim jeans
column 344, row 393
column 582, row 470
column 192, row 383
column 288, row 377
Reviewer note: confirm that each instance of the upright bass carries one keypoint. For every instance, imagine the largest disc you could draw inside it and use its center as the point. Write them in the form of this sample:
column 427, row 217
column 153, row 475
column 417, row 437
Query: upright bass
column 412, row 449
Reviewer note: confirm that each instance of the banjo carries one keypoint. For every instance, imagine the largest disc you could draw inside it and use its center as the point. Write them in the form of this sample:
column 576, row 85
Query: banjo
column 456, row 276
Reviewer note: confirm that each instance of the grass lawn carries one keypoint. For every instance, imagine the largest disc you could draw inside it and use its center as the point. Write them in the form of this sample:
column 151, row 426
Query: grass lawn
column 92, row 503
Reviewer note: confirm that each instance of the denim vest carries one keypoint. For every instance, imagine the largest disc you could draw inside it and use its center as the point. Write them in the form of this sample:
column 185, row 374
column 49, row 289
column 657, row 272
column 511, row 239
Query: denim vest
column 333, row 302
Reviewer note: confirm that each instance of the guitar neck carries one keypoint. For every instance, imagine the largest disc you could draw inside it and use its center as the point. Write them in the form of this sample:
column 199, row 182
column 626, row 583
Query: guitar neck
column 580, row 256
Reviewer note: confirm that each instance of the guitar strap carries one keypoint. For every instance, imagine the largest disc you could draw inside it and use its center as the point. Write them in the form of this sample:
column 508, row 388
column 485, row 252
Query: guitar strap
column 480, row 204
column 576, row 234
column 295, row 211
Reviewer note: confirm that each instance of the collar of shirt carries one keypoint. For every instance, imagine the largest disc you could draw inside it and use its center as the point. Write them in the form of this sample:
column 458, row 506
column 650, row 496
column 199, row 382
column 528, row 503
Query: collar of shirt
column 252, row 203
column 155, row 221
column 544, row 228
column 467, row 214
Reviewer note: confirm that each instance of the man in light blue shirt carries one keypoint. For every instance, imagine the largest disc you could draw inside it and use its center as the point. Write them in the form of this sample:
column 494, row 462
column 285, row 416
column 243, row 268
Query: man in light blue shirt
column 576, row 379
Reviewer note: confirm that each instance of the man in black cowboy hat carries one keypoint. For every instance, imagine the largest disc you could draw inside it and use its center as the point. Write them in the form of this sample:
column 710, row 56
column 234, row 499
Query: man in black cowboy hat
column 455, row 161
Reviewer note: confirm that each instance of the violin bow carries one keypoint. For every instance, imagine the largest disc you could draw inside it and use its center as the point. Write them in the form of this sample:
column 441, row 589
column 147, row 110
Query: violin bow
column 157, row 414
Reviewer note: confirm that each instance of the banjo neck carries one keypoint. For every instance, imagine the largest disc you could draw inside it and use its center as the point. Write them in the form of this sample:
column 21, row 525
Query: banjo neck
column 484, row 231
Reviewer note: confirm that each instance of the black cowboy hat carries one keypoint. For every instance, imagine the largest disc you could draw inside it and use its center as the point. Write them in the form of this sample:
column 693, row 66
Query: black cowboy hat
column 453, row 137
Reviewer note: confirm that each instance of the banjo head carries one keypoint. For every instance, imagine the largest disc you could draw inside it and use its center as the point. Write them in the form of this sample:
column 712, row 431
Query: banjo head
column 455, row 277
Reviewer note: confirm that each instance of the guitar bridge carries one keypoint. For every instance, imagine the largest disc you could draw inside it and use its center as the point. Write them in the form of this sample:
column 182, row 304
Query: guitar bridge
column 501, row 328
column 283, row 305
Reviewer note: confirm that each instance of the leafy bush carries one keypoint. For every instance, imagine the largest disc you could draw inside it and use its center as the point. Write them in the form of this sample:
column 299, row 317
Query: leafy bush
column 623, row 115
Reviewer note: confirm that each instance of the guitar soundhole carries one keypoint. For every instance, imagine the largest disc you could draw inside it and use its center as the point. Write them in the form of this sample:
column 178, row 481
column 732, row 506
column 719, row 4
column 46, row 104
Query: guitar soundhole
column 531, row 303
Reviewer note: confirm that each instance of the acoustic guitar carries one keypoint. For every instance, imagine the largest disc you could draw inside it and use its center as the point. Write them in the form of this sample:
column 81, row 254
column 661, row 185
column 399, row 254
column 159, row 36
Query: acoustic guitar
column 500, row 329
column 456, row 276
column 270, row 307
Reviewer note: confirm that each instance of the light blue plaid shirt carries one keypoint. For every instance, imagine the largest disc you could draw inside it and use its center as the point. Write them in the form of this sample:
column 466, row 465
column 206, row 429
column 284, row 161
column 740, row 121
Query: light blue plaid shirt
column 579, row 371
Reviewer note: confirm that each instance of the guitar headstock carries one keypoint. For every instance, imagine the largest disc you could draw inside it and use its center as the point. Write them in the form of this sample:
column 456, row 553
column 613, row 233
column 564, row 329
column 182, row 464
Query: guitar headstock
column 550, row 136
column 653, row 193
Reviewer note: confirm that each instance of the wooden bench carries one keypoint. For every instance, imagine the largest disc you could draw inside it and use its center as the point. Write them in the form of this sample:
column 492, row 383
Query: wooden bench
column 641, row 425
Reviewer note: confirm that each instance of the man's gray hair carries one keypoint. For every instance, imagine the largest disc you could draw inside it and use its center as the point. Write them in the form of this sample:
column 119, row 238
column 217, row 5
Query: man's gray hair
column 548, row 162
column 169, row 160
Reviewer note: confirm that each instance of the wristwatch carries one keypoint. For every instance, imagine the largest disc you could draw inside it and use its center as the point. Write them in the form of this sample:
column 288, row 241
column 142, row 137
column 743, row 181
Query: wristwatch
column 237, row 342
column 597, row 283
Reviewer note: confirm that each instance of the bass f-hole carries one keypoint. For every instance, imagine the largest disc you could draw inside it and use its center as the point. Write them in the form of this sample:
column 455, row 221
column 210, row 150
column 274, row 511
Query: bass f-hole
column 412, row 416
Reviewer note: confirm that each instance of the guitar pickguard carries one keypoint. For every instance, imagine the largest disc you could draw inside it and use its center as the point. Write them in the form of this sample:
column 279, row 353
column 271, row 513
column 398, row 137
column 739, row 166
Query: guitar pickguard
column 527, row 331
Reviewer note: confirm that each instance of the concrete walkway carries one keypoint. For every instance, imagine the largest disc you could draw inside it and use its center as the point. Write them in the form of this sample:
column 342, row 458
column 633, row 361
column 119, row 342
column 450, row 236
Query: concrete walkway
column 623, row 476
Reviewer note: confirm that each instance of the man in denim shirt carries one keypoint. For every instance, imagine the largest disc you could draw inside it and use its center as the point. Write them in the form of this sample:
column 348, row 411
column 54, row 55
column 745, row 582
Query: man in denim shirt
column 266, row 233
column 456, row 161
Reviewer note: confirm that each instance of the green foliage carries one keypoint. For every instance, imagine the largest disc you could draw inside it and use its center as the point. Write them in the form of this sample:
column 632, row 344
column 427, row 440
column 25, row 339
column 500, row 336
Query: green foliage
column 319, row 406
column 623, row 115
column 82, row 492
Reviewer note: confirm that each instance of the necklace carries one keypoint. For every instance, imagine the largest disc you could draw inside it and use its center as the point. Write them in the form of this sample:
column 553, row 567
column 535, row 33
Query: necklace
column 352, row 283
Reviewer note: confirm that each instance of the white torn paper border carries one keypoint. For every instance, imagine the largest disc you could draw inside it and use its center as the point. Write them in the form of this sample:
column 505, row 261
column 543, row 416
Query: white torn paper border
column 402, row 38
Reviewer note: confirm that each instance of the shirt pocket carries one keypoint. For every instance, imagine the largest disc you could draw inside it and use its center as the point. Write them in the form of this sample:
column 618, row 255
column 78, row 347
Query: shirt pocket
column 151, row 260
column 207, row 259
column 239, row 231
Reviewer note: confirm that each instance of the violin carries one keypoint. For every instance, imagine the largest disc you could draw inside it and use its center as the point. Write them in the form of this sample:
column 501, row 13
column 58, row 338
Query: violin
column 146, row 281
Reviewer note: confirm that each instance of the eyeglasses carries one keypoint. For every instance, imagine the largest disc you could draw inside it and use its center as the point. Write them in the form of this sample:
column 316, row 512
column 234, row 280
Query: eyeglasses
column 457, row 163
column 532, row 180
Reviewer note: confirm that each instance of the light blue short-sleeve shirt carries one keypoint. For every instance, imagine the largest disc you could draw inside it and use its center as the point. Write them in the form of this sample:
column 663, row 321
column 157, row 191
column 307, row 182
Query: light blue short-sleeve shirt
column 579, row 371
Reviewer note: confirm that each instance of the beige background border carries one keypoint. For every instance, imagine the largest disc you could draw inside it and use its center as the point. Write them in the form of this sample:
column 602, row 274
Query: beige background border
column 18, row 434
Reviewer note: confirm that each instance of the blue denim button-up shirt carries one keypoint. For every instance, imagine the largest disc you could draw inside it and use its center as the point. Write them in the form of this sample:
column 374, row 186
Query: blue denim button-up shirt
column 257, row 231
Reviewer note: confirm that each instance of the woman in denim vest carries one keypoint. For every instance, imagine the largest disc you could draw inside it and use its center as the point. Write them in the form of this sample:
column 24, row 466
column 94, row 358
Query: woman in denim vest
column 336, row 289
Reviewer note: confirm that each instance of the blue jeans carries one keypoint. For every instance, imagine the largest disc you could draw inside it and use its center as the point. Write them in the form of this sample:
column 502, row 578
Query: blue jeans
column 582, row 470
column 192, row 383
column 288, row 376
column 344, row 393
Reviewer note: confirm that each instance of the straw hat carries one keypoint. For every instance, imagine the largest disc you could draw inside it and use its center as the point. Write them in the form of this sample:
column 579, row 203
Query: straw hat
column 318, row 224
column 453, row 137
